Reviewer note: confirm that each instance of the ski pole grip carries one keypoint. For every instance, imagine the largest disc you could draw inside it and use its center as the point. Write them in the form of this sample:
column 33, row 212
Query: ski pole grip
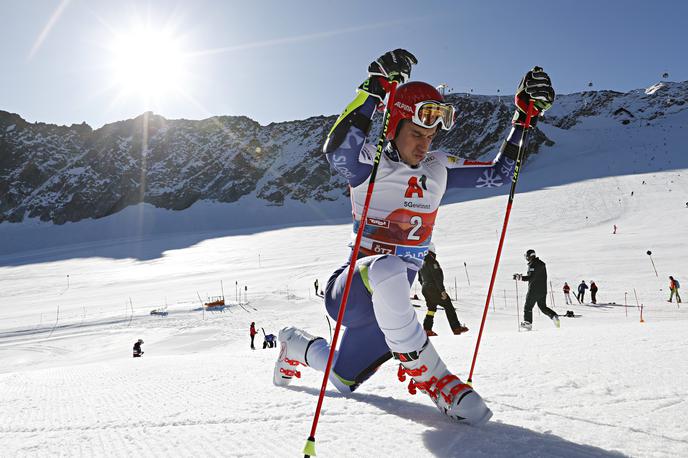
column 529, row 114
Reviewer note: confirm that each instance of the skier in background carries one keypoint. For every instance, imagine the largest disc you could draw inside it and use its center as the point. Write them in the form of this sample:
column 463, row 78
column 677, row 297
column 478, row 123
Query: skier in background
column 581, row 291
column 432, row 279
column 567, row 296
column 537, row 291
column 593, row 292
column 137, row 348
column 252, row 331
column 315, row 284
column 379, row 320
column 674, row 285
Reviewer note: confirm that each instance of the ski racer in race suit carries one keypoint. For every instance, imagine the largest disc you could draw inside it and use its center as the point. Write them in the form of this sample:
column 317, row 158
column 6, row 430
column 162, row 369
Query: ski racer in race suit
column 379, row 320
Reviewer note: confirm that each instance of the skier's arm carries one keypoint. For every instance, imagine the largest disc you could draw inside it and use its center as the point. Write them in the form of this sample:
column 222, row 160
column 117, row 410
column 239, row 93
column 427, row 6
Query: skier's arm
column 345, row 142
column 535, row 86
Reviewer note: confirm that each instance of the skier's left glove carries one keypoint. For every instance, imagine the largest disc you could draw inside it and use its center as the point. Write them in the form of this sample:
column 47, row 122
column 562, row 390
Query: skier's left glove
column 517, row 276
column 535, row 86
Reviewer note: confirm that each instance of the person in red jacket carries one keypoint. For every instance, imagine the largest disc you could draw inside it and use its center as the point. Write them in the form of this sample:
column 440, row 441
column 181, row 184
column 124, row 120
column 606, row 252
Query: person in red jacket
column 567, row 289
column 253, row 333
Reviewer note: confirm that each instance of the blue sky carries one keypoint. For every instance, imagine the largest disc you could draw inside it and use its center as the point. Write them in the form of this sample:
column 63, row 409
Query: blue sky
column 278, row 61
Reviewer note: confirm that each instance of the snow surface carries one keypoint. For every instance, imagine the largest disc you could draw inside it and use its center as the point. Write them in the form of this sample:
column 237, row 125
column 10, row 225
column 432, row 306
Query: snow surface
column 604, row 384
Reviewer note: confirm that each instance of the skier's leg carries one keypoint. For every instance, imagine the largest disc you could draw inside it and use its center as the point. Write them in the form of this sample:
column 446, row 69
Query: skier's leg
column 542, row 304
column 429, row 319
column 389, row 279
column 528, row 309
column 671, row 295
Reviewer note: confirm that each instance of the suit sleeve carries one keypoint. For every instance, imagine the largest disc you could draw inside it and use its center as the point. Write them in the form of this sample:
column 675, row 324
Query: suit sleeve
column 345, row 146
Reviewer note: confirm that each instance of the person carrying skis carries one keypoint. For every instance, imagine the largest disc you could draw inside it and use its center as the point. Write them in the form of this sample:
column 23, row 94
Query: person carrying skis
column 674, row 285
column 581, row 291
column 380, row 322
column 252, row 331
column 537, row 291
column 593, row 292
column 432, row 279
column 137, row 348
column 567, row 296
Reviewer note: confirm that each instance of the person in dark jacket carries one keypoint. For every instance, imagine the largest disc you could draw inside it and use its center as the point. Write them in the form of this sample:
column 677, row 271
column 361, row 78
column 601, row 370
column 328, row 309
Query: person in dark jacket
column 432, row 280
column 253, row 333
column 537, row 290
column 137, row 348
column 593, row 292
column 581, row 291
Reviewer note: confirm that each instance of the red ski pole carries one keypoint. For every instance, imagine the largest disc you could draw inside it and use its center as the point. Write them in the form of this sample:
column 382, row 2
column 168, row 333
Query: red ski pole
column 514, row 180
column 309, row 449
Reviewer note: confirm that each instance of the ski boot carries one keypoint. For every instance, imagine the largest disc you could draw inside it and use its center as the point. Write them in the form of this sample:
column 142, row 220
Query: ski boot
column 556, row 321
column 452, row 397
column 527, row 325
column 295, row 343
column 459, row 330
column 430, row 333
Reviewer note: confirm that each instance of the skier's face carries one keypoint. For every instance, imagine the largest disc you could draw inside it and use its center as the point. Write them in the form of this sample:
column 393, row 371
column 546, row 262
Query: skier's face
column 413, row 142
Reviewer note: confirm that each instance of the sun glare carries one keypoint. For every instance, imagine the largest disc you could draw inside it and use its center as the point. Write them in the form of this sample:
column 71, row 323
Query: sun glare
column 148, row 63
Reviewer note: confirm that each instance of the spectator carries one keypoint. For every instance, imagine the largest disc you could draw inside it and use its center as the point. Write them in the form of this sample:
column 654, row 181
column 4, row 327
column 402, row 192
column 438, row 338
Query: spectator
column 567, row 296
column 581, row 291
column 593, row 292
column 253, row 333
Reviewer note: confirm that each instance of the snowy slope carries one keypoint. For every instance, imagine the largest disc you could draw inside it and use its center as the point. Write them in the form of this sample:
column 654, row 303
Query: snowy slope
column 602, row 385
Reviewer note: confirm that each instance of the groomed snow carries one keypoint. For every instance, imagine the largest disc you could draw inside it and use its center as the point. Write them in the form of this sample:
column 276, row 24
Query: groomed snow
column 603, row 384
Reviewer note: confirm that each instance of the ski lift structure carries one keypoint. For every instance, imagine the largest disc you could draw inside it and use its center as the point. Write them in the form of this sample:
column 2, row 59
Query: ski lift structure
column 444, row 89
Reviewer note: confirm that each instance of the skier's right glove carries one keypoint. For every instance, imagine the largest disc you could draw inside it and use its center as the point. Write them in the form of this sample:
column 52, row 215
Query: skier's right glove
column 517, row 276
column 535, row 86
column 391, row 66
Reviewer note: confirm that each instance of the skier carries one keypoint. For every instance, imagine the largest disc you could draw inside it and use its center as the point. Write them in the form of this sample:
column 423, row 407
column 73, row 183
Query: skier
column 593, row 292
column 567, row 296
column 614, row 229
column 252, row 331
column 380, row 322
column 432, row 279
column 537, row 291
column 674, row 285
column 581, row 291
column 315, row 284
column 137, row 348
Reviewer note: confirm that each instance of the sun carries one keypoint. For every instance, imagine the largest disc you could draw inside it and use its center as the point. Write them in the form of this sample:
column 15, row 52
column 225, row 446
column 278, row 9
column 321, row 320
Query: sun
column 148, row 63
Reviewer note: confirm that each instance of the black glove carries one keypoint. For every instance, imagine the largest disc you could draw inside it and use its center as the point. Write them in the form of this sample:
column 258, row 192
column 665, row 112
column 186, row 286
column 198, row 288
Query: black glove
column 517, row 276
column 535, row 86
column 393, row 65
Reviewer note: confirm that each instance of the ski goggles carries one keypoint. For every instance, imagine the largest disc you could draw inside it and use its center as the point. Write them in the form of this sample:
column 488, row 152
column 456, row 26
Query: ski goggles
column 431, row 113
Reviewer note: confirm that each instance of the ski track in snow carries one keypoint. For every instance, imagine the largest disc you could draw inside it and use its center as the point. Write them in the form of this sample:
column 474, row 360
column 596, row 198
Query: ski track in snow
column 603, row 385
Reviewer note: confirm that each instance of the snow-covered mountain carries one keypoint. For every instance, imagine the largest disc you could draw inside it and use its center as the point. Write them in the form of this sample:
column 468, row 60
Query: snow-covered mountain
column 63, row 174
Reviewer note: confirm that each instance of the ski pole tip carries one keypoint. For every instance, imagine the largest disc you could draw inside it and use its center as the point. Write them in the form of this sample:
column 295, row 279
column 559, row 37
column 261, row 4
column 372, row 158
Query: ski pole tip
column 309, row 449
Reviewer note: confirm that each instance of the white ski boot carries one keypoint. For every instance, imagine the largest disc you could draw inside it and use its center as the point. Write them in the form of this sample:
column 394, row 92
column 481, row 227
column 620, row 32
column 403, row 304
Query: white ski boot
column 528, row 326
column 294, row 346
column 452, row 397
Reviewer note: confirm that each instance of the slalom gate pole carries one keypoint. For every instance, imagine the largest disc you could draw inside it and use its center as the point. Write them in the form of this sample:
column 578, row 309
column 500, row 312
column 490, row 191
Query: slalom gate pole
column 309, row 449
column 466, row 268
column 649, row 253
column 514, row 180
column 637, row 302
column 626, row 303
